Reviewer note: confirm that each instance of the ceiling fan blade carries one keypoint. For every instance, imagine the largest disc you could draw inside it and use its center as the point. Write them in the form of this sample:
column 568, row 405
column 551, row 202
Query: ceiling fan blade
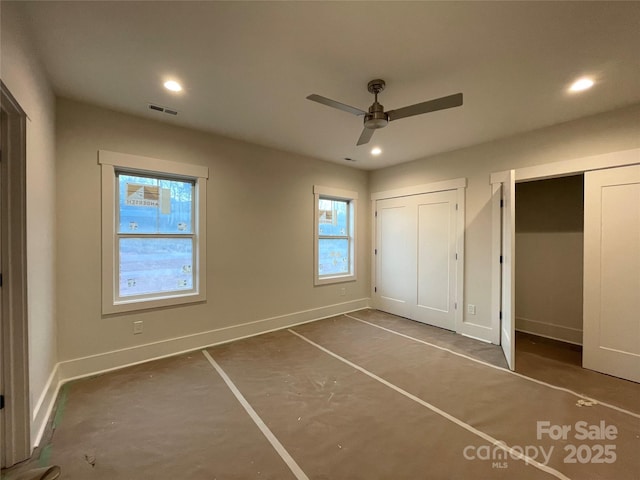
column 365, row 136
column 441, row 103
column 334, row 104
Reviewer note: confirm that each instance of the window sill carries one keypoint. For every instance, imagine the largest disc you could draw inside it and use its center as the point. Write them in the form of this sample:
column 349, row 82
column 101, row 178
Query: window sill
column 157, row 302
column 334, row 279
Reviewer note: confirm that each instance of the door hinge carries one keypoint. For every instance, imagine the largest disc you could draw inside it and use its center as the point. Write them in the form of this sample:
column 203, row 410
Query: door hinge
column 455, row 305
column 0, row 279
column 375, row 289
column 1, row 402
column 456, row 256
column 456, row 206
column 501, row 203
column 375, row 252
column 500, row 258
column 500, row 315
column 376, row 213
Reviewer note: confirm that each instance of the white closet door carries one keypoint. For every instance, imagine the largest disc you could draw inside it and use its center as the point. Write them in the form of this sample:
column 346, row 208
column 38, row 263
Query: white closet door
column 396, row 257
column 416, row 257
column 436, row 259
column 508, row 304
column 611, row 330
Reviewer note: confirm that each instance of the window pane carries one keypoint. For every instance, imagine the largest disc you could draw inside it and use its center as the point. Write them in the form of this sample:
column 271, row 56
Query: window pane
column 332, row 218
column 333, row 256
column 155, row 265
column 151, row 205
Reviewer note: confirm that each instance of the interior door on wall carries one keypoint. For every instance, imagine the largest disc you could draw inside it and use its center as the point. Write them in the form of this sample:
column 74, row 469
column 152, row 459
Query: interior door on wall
column 436, row 259
column 416, row 257
column 611, row 330
column 508, row 267
column 395, row 255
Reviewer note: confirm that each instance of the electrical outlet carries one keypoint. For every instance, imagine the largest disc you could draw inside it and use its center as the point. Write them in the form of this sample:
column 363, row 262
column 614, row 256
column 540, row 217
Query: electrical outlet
column 471, row 309
column 343, row 291
column 137, row 327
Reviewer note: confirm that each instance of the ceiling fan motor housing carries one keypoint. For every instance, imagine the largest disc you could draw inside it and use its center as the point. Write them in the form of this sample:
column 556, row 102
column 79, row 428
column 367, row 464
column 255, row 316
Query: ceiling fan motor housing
column 376, row 118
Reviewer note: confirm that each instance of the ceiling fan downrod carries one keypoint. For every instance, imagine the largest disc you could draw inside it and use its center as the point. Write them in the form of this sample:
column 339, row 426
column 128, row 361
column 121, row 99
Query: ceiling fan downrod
column 376, row 118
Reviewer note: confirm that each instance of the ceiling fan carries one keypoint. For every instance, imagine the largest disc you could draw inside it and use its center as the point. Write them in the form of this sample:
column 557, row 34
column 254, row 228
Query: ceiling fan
column 376, row 117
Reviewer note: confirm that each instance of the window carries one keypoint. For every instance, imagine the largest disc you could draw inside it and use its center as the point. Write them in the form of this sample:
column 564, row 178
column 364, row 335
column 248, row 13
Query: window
column 153, row 232
column 334, row 235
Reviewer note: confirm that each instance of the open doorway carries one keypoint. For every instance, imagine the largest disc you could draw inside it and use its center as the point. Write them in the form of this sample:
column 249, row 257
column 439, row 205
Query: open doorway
column 549, row 239
column 611, row 260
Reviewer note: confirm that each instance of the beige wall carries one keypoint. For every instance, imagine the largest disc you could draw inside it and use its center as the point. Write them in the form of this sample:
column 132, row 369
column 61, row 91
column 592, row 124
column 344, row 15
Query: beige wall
column 260, row 210
column 549, row 263
column 25, row 79
column 607, row 132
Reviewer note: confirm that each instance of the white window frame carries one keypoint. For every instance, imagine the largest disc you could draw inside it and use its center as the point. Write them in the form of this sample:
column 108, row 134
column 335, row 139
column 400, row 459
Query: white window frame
column 330, row 193
column 121, row 162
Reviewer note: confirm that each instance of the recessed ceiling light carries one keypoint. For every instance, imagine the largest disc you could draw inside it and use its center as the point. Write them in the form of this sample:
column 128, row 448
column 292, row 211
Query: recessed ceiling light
column 172, row 85
column 376, row 151
column 581, row 84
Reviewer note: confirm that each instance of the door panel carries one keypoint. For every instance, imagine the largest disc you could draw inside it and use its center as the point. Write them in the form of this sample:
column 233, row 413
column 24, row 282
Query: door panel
column 396, row 257
column 416, row 257
column 436, row 259
column 433, row 256
column 507, row 324
column 612, row 272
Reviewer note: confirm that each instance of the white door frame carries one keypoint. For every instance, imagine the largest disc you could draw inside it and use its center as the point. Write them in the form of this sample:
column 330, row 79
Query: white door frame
column 16, row 441
column 540, row 172
column 458, row 184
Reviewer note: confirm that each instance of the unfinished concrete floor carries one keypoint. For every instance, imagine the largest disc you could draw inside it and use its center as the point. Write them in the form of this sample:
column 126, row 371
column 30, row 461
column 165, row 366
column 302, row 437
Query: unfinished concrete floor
column 361, row 396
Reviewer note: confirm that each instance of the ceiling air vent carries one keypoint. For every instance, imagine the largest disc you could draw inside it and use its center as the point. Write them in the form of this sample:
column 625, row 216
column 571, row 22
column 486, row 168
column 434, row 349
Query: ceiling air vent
column 159, row 108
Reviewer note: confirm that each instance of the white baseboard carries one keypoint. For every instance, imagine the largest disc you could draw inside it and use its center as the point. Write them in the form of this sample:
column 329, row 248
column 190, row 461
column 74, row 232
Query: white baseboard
column 44, row 406
column 549, row 330
column 484, row 340
column 104, row 362
column 478, row 332
column 117, row 359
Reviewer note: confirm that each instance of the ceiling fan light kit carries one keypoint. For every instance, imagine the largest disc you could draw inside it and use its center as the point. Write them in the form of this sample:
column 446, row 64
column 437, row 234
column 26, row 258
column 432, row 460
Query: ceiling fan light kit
column 376, row 117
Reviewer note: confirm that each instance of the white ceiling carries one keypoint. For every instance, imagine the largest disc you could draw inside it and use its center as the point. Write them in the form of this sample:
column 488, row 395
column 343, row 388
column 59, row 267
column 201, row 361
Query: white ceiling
column 247, row 67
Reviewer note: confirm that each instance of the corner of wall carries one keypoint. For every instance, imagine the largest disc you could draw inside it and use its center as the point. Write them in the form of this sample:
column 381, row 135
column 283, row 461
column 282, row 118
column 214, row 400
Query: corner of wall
column 44, row 406
column 25, row 76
